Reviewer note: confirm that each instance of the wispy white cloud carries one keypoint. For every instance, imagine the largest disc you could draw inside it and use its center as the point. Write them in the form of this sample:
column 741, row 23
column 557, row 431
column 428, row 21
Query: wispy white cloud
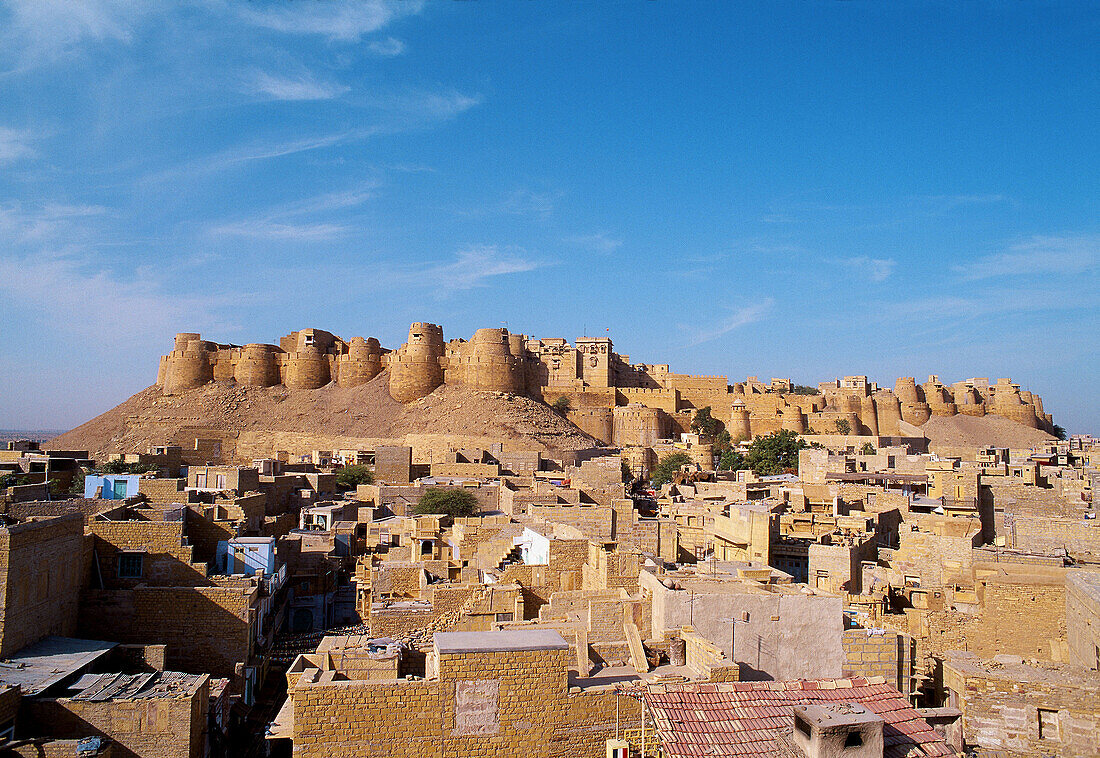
column 387, row 48
column 267, row 229
column 888, row 212
column 474, row 266
column 428, row 106
column 876, row 269
column 1037, row 255
column 23, row 223
column 257, row 151
column 401, row 113
column 40, row 30
column 338, row 20
column 518, row 202
column 749, row 314
column 302, row 87
column 90, row 301
column 331, row 201
column 957, row 201
column 283, row 222
column 14, row 145
column 600, row 242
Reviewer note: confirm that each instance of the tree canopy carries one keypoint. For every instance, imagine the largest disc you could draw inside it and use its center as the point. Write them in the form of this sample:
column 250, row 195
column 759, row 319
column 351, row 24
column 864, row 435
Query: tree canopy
column 843, row 426
column 562, row 405
column 1060, row 432
column 668, row 466
column 447, row 501
column 350, row 477
column 122, row 467
column 705, row 423
column 775, row 453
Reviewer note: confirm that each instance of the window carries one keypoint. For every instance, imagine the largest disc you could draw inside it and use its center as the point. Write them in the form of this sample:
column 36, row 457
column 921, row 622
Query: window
column 200, row 480
column 130, row 565
column 1048, row 724
column 504, row 617
column 220, row 481
column 802, row 726
column 854, row 739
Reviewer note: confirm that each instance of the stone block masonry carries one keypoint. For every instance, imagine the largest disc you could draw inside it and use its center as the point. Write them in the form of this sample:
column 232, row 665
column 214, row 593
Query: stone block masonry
column 206, row 629
column 42, row 568
column 1083, row 618
column 486, row 702
column 882, row 653
column 162, row 727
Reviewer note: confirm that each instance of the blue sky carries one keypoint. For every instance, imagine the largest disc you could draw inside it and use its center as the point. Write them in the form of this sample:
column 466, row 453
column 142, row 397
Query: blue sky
column 794, row 189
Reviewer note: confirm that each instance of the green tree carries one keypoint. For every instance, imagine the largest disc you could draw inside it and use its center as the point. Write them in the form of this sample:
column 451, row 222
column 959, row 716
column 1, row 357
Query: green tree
column 667, row 467
column 77, row 486
column 731, row 460
column 122, row 467
column 11, row 480
column 350, row 477
column 112, row 467
column 867, row 449
column 843, row 427
column 803, row 389
column 562, row 405
column 1060, row 432
column 776, row 453
column 706, row 424
column 447, row 501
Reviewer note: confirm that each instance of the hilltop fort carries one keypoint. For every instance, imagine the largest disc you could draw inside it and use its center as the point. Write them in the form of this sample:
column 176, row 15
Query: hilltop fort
column 611, row 398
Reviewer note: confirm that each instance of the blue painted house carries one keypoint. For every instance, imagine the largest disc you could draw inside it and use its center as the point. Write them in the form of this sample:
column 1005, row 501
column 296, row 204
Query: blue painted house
column 114, row 486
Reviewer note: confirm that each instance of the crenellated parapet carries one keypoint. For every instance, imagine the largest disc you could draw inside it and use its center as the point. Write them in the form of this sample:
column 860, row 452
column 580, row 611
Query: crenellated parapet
column 361, row 363
column 307, row 359
column 492, row 360
column 416, row 368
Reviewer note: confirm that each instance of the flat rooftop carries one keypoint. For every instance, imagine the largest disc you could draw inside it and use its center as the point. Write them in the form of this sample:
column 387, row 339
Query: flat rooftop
column 38, row 667
column 1010, row 668
column 505, row 640
column 1088, row 582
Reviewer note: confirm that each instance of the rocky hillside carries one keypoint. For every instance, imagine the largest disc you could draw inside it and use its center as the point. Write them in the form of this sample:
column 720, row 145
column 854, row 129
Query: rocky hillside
column 950, row 433
column 257, row 421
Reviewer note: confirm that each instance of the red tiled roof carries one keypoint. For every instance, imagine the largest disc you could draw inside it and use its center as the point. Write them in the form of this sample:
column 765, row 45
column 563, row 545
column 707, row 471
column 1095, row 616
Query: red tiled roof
column 743, row 718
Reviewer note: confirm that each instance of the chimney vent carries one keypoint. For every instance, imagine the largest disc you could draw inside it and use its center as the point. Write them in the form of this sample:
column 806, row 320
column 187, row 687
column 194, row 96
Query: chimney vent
column 837, row 730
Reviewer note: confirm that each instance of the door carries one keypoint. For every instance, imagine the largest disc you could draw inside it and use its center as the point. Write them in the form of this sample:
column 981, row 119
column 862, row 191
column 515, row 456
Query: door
column 119, row 489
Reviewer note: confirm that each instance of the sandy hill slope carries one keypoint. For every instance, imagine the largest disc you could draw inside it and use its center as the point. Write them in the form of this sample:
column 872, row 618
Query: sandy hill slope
column 944, row 432
column 256, row 421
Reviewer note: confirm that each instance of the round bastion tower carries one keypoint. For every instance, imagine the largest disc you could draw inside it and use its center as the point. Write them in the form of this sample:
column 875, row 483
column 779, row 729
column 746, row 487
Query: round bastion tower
column 914, row 410
column 362, row 362
column 190, row 364
column 888, row 410
column 636, row 424
column 487, row 362
column 307, row 363
column 740, row 426
column 257, row 366
column 415, row 369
